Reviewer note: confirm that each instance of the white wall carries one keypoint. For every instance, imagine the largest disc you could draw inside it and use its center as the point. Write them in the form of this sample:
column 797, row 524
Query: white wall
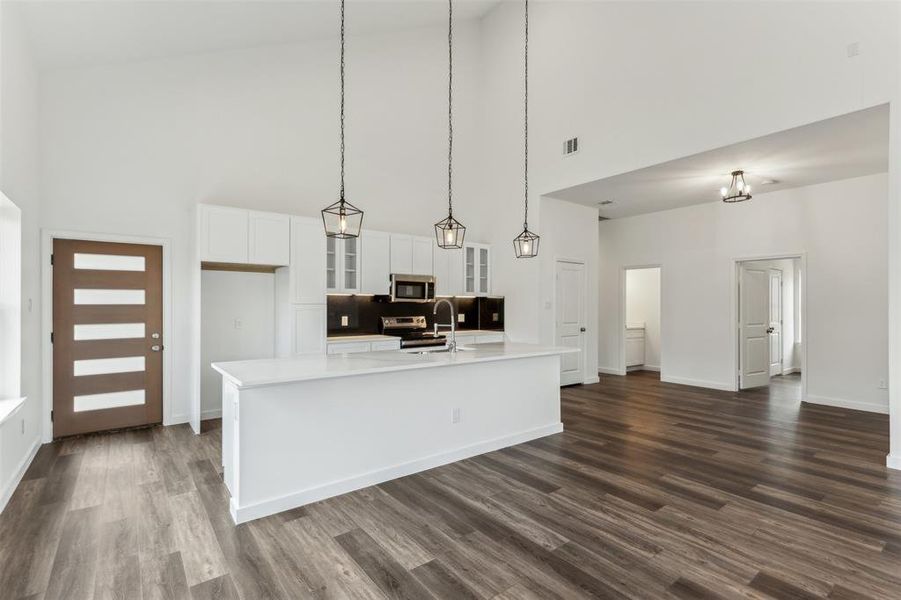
column 131, row 149
column 841, row 228
column 638, row 100
column 19, row 181
column 643, row 307
column 237, row 323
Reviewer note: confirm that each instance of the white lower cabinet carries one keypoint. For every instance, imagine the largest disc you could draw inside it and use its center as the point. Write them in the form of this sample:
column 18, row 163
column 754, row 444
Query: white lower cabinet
column 478, row 337
column 351, row 347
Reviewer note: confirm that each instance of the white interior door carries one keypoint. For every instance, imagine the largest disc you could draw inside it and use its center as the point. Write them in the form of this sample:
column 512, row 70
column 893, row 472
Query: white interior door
column 754, row 319
column 775, row 327
column 571, row 319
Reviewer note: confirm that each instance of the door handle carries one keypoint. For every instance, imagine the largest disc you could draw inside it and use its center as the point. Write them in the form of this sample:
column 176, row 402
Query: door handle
column 582, row 329
column 156, row 348
column 770, row 329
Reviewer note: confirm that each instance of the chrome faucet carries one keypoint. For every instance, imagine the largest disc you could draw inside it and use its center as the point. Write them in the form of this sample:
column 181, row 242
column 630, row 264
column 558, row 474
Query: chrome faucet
column 452, row 344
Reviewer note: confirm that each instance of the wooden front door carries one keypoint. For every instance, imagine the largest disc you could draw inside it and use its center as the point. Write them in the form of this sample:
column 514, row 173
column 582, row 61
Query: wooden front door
column 107, row 336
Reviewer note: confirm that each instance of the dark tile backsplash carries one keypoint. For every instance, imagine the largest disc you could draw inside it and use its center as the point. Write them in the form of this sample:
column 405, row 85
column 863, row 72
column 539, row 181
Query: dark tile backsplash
column 363, row 313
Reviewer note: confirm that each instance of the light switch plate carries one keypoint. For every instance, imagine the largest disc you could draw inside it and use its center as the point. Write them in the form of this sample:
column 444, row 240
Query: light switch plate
column 344, row 321
column 461, row 317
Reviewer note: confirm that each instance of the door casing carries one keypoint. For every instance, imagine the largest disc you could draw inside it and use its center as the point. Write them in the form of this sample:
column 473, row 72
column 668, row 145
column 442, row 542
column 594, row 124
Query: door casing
column 733, row 319
column 173, row 339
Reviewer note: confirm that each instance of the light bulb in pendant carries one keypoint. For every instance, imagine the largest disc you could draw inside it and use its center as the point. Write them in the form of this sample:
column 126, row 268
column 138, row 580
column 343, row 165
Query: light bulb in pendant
column 526, row 248
column 342, row 223
column 449, row 237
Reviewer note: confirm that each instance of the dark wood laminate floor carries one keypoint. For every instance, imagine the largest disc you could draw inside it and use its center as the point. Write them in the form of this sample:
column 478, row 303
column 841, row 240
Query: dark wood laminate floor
column 654, row 491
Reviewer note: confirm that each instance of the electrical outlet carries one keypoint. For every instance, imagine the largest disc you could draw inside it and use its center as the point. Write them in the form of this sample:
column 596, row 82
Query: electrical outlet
column 883, row 385
column 238, row 324
column 853, row 49
column 495, row 317
column 456, row 416
column 344, row 321
column 461, row 318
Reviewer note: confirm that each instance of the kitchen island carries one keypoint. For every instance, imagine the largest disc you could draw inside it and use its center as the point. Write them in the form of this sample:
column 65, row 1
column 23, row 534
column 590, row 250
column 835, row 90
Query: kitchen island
column 298, row 430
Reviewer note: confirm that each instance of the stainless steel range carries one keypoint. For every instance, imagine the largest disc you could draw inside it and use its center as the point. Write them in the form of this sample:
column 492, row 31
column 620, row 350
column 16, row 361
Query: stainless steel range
column 413, row 332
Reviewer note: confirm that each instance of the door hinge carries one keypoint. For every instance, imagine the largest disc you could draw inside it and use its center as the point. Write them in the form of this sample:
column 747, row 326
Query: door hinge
column 51, row 337
column 51, row 416
column 51, row 260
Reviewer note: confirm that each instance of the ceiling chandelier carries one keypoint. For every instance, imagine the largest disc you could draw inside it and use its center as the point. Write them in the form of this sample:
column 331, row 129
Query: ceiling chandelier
column 449, row 232
column 342, row 219
column 738, row 190
column 525, row 245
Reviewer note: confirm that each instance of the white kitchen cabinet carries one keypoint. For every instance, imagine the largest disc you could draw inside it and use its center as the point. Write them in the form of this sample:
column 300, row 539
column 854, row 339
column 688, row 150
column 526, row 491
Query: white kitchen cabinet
column 308, row 328
column 422, row 256
column 353, row 347
column 308, row 259
column 401, row 253
column 223, row 234
column 269, row 238
column 376, row 264
column 342, row 267
column 448, row 271
column 476, row 269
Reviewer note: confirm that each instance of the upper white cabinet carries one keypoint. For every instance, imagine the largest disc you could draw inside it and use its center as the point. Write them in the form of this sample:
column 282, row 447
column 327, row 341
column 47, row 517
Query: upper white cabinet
column 224, row 234
column 376, row 262
column 240, row 236
column 448, row 271
column 342, row 266
column 422, row 256
column 411, row 254
column 401, row 253
column 308, row 279
column 476, row 269
column 269, row 238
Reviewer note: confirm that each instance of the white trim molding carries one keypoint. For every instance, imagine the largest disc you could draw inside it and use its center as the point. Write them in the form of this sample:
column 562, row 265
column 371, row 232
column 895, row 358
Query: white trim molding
column 893, row 461
column 873, row 407
column 611, row 371
column 7, row 492
column 712, row 385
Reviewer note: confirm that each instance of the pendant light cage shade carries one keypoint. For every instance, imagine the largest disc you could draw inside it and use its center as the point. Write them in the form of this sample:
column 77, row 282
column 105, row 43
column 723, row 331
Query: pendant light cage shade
column 449, row 233
column 342, row 220
column 738, row 190
column 525, row 245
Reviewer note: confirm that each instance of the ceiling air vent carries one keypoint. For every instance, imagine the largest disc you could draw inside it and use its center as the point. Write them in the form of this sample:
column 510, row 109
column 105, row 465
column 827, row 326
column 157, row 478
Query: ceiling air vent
column 570, row 146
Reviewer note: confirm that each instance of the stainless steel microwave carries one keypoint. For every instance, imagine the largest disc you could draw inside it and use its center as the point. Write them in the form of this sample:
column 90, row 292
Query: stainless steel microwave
column 412, row 288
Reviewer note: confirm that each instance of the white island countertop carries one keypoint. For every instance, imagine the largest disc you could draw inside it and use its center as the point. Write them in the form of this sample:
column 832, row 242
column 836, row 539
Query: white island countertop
column 264, row 372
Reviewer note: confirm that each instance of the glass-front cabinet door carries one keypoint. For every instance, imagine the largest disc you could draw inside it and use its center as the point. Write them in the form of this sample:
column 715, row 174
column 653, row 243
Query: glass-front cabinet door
column 351, row 265
column 469, row 270
column 331, row 264
column 483, row 271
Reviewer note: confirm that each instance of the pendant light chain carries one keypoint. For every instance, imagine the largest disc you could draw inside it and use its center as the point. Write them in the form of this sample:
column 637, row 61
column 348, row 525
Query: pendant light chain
column 526, row 128
column 450, row 118
column 342, row 100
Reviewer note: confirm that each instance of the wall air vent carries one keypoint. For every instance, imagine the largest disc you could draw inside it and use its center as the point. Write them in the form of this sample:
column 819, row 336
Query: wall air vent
column 570, row 146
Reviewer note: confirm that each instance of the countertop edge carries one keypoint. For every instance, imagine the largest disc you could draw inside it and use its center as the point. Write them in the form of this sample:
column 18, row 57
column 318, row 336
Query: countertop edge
column 551, row 351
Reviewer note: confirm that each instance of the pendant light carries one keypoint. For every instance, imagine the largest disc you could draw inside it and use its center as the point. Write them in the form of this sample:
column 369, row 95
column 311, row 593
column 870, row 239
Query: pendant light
column 449, row 232
column 342, row 219
column 738, row 190
column 525, row 245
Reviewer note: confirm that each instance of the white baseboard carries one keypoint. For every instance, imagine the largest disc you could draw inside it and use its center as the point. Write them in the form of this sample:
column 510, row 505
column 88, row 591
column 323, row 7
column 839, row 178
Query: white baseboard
column 713, row 385
column 791, row 370
column 591, row 380
column 893, row 461
column 176, row 420
column 272, row 506
column 611, row 371
column 655, row 368
column 844, row 403
column 7, row 491
column 211, row 413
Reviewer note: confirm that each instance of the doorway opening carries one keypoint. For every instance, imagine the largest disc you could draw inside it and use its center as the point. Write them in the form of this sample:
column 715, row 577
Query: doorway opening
column 770, row 295
column 641, row 336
